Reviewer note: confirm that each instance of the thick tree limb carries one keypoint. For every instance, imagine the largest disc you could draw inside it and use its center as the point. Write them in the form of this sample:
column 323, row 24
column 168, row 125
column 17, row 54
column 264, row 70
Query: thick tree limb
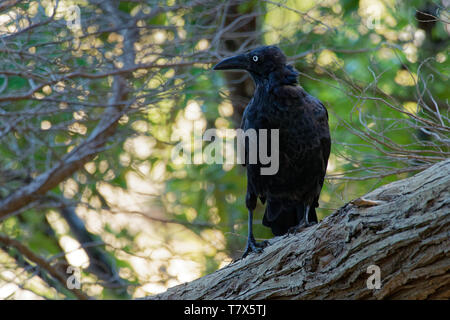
column 403, row 229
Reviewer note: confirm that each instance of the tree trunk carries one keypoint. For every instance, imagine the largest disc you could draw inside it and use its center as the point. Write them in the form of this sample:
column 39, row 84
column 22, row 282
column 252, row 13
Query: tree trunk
column 403, row 228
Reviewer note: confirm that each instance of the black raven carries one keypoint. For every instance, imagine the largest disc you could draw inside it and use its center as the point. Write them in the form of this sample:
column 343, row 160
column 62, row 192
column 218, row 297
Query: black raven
column 292, row 193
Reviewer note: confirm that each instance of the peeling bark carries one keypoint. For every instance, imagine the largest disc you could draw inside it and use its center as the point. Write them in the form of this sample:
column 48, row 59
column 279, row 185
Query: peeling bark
column 406, row 234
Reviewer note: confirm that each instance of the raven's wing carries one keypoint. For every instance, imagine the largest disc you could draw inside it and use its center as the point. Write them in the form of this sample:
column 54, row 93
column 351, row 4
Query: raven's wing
column 304, row 148
column 325, row 142
column 242, row 126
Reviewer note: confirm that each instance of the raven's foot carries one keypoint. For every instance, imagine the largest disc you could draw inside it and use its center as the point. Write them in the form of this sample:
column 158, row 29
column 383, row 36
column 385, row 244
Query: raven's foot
column 300, row 227
column 253, row 246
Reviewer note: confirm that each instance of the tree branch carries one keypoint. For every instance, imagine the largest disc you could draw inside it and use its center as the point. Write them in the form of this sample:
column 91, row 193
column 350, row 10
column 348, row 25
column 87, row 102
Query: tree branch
column 403, row 228
column 66, row 167
column 43, row 264
column 99, row 263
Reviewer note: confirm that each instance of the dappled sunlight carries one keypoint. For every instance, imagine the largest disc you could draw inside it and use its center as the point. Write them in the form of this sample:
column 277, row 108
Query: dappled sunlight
column 192, row 110
column 140, row 146
column 405, row 78
column 74, row 255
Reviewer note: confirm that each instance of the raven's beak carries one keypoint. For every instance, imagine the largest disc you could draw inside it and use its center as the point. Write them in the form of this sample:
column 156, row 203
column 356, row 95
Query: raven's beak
column 236, row 62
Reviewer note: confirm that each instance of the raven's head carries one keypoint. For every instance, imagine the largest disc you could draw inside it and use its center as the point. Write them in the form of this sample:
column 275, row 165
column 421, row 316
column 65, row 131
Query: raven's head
column 262, row 63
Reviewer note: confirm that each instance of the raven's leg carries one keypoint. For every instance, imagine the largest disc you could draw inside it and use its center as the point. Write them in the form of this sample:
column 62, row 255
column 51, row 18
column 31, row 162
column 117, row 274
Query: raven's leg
column 304, row 221
column 252, row 245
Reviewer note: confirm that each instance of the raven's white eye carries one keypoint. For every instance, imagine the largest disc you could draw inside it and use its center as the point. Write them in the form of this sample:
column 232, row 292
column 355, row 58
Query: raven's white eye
column 255, row 58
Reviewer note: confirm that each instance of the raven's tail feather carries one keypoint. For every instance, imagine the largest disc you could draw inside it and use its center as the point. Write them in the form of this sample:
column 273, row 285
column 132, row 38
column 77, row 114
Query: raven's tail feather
column 281, row 215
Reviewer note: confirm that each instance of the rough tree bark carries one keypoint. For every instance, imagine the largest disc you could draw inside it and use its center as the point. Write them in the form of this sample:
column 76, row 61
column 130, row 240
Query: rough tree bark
column 403, row 228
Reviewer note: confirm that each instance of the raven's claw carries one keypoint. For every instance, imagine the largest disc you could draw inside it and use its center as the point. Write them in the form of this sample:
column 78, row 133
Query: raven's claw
column 253, row 246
